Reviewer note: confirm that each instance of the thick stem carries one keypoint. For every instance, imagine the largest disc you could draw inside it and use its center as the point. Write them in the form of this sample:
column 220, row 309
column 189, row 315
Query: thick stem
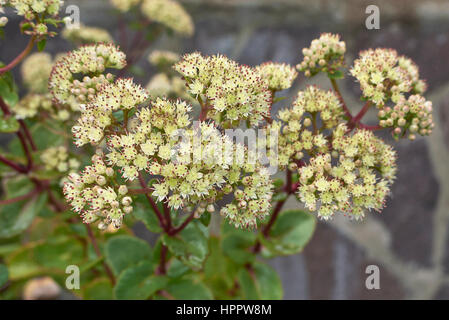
column 93, row 240
column 20, row 57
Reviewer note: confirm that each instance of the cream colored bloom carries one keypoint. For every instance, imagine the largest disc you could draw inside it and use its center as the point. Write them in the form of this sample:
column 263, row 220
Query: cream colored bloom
column 88, row 61
column 234, row 92
column 169, row 13
column 35, row 71
column 87, row 35
column 279, row 76
column 325, row 54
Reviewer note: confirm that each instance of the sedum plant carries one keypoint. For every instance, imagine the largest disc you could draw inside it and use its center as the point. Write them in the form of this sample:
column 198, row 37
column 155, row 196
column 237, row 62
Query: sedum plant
column 93, row 152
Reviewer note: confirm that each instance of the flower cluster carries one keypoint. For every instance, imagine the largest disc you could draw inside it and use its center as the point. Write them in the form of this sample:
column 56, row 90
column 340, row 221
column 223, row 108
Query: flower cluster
column 300, row 132
column 95, row 196
column 170, row 14
column 88, row 61
column 360, row 179
column 280, row 76
column 252, row 201
column 35, row 12
column 325, row 54
column 230, row 91
column 163, row 58
column 384, row 76
column 412, row 115
column 87, row 35
column 32, row 104
column 163, row 85
column 35, row 71
column 98, row 113
column 58, row 159
column 124, row 5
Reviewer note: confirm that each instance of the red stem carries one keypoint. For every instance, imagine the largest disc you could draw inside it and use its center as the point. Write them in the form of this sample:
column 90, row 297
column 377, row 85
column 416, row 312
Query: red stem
column 371, row 128
column 153, row 204
column 13, row 165
column 20, row 57
column 175, row 231
column 28, row 135
column 340, row 97
column 162, row 269
column 20, row 198
column 362, row 112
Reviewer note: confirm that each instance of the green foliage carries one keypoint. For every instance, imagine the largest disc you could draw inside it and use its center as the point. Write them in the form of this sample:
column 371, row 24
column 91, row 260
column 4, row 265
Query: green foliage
column 17, row 217
column 8, row 88
column 188, row 289
column 260, row 281
column 3, row 275
column 138, row 282
column 123, row 252
column 190, row 245
column 237, row 244
column 290, row 233
column 9, row 125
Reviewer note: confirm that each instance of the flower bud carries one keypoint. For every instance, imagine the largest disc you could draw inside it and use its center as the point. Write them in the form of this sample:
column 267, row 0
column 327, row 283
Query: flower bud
column 122, row 190
column 126, row 201
column 3, row 21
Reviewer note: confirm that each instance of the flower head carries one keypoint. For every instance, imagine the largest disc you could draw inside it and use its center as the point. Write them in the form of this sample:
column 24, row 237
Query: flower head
column 87, row 35
column 384, row 76
column 93, row 194
column 89, row 64
column 279, row 76
column 408, row 117
column 234, row 92
column 325, row 54
column 35, row 71
column 170, row 14
column 358, row 179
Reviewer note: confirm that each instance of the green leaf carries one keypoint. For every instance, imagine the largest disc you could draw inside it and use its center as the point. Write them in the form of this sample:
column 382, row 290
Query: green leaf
column 125, row 251
column 177, row 269
column 291, row 231
column 17, row 217
column 278, row 99
column 138, row 282
column 58, row 252
column 280, row 196
column 144, row 213
column 260, row 282
column 4, row 275
column 205, row 218
column 190, row 245
column 41, row 44
column 100, row 289
column 8, row 89
column 9, row 125
column 336, row 74
column 237, row 244
column 188, row 289
column 219, row 271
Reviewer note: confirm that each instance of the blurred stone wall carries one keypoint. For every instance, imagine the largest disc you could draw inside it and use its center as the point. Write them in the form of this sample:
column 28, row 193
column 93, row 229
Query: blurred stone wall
column 408, row 240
